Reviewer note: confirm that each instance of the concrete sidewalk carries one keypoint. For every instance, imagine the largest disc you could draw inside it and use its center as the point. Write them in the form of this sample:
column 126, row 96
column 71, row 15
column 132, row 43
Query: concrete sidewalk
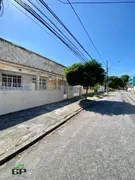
column 20, row 129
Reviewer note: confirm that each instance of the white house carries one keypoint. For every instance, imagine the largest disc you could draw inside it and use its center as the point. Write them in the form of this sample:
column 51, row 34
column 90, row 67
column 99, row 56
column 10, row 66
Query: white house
column 27, row 79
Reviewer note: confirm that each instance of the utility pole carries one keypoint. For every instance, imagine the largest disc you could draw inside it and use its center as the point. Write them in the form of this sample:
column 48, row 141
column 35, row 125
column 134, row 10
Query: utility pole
column 107, row 69
column 106, row 76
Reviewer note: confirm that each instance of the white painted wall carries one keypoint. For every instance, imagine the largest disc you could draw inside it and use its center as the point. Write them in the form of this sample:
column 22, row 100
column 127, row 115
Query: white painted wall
column 101, row 89
column 89, row 91
column 76, row 90
column 26, row 78
column 11, row 101
column 70, row 93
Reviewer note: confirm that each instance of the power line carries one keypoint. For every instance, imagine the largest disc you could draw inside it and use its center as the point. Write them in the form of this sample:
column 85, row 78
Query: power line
column 86, row 31
column 32, row 12
column 38, row 24
column 57, row 18
column 51, row 29
column 99, row 2
column 56, row 28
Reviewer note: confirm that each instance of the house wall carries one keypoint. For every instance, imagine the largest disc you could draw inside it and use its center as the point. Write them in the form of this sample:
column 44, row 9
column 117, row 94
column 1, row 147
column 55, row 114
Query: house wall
column 11, row 101
column 26, row 73
column 84, row 90
column 101, row 89
column 16, row 100
column 26, row 78
column 16, row 60
column 70, row 93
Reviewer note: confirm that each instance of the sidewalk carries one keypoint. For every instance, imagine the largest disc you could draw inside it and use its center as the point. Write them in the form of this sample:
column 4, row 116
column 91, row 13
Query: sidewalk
column 19, row 129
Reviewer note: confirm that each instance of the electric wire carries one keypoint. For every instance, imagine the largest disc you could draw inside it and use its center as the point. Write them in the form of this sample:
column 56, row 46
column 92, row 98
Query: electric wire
column 38, row 17
column 86, row 31
column 57, row 18
column 98, row 2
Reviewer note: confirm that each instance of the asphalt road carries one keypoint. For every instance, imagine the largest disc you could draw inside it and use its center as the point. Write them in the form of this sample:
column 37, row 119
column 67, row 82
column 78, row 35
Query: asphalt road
column 97, row 144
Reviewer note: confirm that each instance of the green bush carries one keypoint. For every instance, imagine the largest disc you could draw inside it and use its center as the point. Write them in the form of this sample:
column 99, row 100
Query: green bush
column 111, row 89
column 95, row 88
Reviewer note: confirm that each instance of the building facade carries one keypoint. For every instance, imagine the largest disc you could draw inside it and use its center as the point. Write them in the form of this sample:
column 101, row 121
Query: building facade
column 131, row 82
column 27, row 79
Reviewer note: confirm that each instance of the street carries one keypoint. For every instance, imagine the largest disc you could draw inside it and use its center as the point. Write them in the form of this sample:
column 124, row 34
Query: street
column 96, row 144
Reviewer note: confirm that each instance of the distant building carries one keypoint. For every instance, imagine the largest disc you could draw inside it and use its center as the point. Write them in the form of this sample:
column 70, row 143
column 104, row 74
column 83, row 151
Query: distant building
column 131, row 82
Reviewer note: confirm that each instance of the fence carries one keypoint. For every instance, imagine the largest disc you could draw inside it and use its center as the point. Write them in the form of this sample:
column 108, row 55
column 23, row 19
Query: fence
column 11, row 101
column 15, row 86
column 26, row 96
column 25, row 86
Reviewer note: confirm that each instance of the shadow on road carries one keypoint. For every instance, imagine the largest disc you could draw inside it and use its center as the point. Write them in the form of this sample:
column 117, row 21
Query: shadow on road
column 110, row 108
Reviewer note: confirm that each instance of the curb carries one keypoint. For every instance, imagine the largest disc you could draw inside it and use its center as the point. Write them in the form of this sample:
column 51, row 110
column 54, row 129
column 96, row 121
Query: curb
column 49, row 130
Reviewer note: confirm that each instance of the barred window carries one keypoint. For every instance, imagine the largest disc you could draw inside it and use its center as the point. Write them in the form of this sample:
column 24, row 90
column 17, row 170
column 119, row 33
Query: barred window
column 42, row 83
column 11, row 80
column 34, row 80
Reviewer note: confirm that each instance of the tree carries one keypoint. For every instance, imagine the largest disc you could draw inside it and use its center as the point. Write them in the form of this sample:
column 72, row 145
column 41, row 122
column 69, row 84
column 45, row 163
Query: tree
column 115, row 82
column 124, row 79
column 95, row 88
column 87, row 74
column 74, row 74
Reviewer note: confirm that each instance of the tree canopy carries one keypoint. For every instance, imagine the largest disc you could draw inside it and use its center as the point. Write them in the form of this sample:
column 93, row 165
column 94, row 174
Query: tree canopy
column 124, row 79
column 116, row 82
column 87, row 74
column 74, row 74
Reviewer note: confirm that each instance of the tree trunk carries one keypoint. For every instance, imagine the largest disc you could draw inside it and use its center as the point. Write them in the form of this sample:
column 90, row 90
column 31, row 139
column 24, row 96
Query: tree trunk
column 95, row 91
column 86, row 92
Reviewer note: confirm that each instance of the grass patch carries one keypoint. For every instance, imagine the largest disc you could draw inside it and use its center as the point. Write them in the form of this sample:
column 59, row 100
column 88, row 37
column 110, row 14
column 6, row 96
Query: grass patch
column 85, row 100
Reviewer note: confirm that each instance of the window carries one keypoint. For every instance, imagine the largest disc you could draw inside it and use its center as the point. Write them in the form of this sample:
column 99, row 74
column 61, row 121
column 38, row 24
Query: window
column 11, row 80
column 34, row 80
column 60, row 82
column 42, row 83
column 52, row 84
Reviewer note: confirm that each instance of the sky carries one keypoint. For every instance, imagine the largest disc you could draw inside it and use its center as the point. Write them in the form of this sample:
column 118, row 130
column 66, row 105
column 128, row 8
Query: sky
column 111, row 27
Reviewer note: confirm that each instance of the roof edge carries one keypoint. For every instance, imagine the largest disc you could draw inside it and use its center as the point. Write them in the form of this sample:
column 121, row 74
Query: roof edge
column 1, row 39
column 29, row 67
